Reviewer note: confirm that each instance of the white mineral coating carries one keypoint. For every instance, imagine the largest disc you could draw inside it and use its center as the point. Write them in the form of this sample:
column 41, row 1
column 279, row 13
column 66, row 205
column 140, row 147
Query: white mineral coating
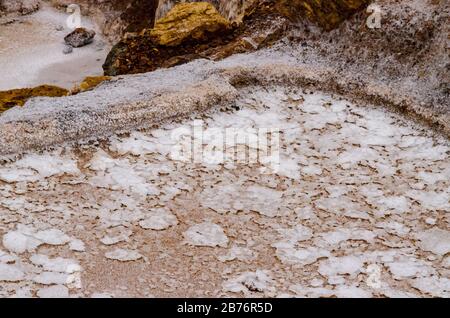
column 58, row 264
column 10, row 273
column 206, row 234
column 56, row 291
column 159, row 219
column 435, row 240
column 259, row 281
column 37, row 167
column 123, row 255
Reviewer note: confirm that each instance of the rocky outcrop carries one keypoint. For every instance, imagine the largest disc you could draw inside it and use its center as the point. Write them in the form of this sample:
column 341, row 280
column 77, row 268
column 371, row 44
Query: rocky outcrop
column 21, row 7
column 198, row 22
column 263, row 23
column 18, row 97
column 80, row 37
column 184, row 30
column 233, row 10
column 326, row 13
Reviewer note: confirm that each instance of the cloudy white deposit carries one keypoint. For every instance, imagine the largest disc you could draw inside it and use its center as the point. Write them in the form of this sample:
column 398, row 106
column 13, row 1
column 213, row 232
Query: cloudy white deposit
column 358, row 208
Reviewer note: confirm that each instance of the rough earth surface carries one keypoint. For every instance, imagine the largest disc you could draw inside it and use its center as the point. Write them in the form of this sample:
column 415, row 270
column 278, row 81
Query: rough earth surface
column 193, row 30
column 357, row 206
column 317, row 174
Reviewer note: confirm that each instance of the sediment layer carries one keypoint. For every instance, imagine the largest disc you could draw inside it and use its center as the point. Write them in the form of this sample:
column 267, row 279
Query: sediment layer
column 139, row 101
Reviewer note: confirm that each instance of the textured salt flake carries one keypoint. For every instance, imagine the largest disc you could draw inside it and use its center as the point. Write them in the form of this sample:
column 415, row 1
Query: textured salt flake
column 137, row 144
column 297, row 234
column 10, row 273
column 52, row 237
column 77, row 245
column 57, row 264
column 395, row 228
column 159, row 219
column 399, row 204
column 206, row 234
column 226, row 198
column 308, row 292
column 357, row 215
column 19, row 242
column 435, row 286
column 124, row 178
column 121, row 237
column 36, row 167
column 6, row 258
column 435, row 240
column 101, row 161
column 446, row 262
column 240, row 253
column 258, row 281
column 123, row 255
column 351, row 292
column 57, row 291
column 289, row 254
column 431, row 200
column 350, row 265
column 102, row 295
column 409, row 269
column 50, row 278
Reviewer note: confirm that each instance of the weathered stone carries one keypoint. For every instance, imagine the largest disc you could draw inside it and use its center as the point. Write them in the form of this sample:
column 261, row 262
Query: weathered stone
column 89, row 83
column 326, row 13
column 184, row 27
column 233, row 10
column 80, row 37
column 196, row 30
column 188, row 22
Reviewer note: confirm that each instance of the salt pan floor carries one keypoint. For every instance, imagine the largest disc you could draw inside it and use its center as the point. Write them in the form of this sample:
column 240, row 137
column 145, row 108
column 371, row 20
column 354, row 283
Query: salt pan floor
column 357, row 208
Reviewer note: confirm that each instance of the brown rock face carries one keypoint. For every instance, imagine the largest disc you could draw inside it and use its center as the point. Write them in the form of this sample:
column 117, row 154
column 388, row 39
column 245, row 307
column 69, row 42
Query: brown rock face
column 139, row 15
column 20, row 7
column 187, row 32
column 230, row 9
column 326, row 13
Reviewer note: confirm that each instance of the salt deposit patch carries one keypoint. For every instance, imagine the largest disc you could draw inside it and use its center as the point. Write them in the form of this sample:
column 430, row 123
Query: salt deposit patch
column 435, row 240
column 57, row 291
column 26, row 238
column 37, row 167
column 259, row 281
column 357, row 189
column 206, row 234
column 159, row 219
column 123, row 255
column 232, row 198
column 10, row 273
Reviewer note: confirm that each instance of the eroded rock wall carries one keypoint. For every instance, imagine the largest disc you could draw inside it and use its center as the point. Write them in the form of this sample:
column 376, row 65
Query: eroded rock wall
column 21, row 7
column 231, row 9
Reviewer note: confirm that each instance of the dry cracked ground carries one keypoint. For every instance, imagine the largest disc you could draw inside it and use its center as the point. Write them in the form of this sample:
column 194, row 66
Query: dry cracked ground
column 356, row 206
